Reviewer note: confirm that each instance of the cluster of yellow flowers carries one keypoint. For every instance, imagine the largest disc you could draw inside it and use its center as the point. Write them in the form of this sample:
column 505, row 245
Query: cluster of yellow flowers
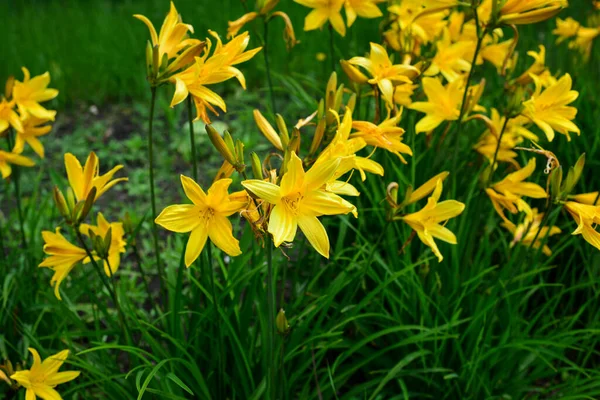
column 20, row 109
column 580, row 37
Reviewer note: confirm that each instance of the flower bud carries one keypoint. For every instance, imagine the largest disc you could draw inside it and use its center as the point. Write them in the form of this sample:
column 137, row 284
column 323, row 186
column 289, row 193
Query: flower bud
column 352, row 102
column 149, row 58
column 318, row 137
column 220, row 144
column 267, row 130
column 8, row 88
column 81, row 212
column 392, row 194
column 281, row 322
column 556, row 177
column 155, row 61
column 283, row 131
column 256, row 166
column 339, row 96
column 239, row 151
column 321, row 110
column 61, row 204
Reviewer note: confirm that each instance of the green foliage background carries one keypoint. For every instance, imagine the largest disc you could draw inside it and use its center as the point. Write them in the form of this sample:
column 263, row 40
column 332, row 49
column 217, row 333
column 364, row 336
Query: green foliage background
column 490, row 322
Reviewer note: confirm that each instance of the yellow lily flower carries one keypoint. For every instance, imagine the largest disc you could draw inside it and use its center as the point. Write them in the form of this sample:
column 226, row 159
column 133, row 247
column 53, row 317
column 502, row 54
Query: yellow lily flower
column 587, row 218
column 41, row 379
column 495, row 53
column 383, row 72
column 529, row 229
column 537, row 68
column 233, row 27
column 548, row 109
column 403, row 94
column 343, row 146
column 206, row 218
column 31, row 92
column 9, row 117
column 83, row 179
column 507, row 193
column 117, row 244
column 63, row 256
column 427, row 221
column 386, row 135
column 32, row 129
column 211, row 70
column 8, row 158
column 591, row 198
column 583, row 40
column 514, row 135
column 323, row 11
column 450, row 59
column 361, row 8
column 443, row 103
column 565, row 29
column 299, row 200
column 419, row 19
column 173, row 35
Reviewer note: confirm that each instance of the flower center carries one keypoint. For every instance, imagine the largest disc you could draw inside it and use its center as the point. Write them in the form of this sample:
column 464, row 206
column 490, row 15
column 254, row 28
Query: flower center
column 292, row 202
column 206, row 214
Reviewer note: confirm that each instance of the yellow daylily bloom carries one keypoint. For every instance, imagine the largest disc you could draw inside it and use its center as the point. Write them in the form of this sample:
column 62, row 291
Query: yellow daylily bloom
column 403, row 94
column 63, row 256
column 9, row 117
column 419, row 19
column 323, row 11
column 383, row 72
column 537, row 68
column 205, row 218
column 117, row 244
column 343, row 146
column 450, row 58
column 206, row 70
column 587, row 218
column 361, row 8
column 443, row 103
column 507, row 194
column 496, row 52
column 514, row 134
column 173, row 35
column 583, row 40
column 386, row 135
column 548, row 108
column 31, row 92
column 8, row 158
column 427, row 221
column 565, row 29
column 426, row 188
column 41, row 379
column 299, row 200
column 32, row 129
column 529, row 229
column 83, row 179
column 289, row 36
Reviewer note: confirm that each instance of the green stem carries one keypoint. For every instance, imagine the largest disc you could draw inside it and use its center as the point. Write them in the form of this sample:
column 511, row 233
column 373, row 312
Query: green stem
column 497, row 149
column 267, row 67
column 16, row 179
column 152, row 196
column 102, row 276
column 331, row 48
column 271, row 320
column 220, row 344
column 463, row 107
column 192, row 139
column 138, row 260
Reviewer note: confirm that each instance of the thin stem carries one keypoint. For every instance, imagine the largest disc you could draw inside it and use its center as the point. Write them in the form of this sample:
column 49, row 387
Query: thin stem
column 102, row 276
column 152, row 196
column 220, row 344
column 16, row 179
column 331, row 48
column 377, row 104
column 498, row 149
column 463, row 107
column 271, row 319
column 192, row 139
column 267, row 67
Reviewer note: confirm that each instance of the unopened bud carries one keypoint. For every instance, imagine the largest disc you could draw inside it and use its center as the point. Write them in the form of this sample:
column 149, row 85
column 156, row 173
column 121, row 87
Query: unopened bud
column 283, row 131
column 352, row 102
column 339, row 96
column 265, row 127
column 155, row 61
column 83, row 212
column 149, row 55
column 318, row 137
column 8, row 88
column 392, row 194
column 281, row 322
column 239, row 151
column 61, row 204
column 556, row 181
column 220, row 144
column 321, row 110
column 256, row 166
